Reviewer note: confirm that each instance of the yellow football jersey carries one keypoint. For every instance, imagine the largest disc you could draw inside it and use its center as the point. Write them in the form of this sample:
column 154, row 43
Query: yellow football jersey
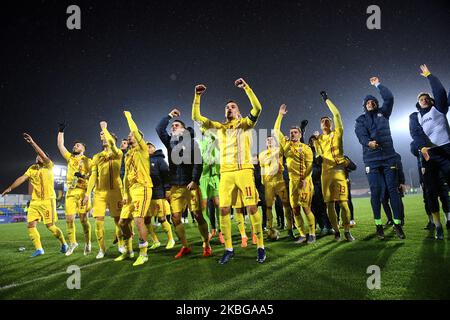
column 75, row 164
column 331, row 146
column 105, row 168
column 299, row 156
column 41, row 178
column 137, row 161
column 235, row 136
column 271, row 162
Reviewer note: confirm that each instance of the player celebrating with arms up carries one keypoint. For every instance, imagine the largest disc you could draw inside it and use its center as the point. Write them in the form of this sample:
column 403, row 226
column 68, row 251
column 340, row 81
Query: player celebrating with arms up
column 236, row 168
column 330, row 146
column 43, row 199
column 78, row 171
column 299, row 159
column 105, row 177
column 137, row 191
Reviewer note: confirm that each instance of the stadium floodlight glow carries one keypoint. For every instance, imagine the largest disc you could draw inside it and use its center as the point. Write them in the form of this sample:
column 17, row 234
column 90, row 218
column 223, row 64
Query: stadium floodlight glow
column 59, row 172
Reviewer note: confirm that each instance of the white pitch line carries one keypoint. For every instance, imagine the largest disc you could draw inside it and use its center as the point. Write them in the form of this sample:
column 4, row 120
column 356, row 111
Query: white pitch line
column 14, row 285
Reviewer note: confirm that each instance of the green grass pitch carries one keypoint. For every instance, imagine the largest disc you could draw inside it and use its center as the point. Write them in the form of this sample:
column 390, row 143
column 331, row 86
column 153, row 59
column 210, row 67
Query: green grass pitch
column 416, row 268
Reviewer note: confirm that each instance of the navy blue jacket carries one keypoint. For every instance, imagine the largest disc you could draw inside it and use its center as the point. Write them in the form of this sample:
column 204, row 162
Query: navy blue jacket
column 183, row 173
column 159, row 172
column 374, row 125
column 441, row 102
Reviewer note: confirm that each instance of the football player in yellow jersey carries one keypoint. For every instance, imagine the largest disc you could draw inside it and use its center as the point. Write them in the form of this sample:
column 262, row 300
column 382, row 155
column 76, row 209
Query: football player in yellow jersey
column 299, row 158
column 43, row 199
column 236, row 167
column 78, row 171
column 137, row 190
column 105, row 178
column 329, row 145
column 271, row 161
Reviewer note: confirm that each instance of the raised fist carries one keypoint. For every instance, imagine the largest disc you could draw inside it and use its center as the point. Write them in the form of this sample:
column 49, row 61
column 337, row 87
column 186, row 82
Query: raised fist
column 240, row 83
column 324, row 95
column 174, row 113
column 200, row 89
column 374, row 81
column 103, row 124
column 62, row 126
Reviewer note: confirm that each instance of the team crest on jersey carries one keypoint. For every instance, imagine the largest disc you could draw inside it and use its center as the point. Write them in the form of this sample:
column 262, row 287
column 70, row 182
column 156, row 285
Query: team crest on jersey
column 379, row 115
column 367, row 169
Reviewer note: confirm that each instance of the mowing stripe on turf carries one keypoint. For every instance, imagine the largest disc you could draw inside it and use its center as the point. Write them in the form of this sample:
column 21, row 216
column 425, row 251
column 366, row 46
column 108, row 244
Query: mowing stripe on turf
column 19, row 284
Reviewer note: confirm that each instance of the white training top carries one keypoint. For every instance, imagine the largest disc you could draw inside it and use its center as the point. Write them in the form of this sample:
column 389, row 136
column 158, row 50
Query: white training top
column 436, row 127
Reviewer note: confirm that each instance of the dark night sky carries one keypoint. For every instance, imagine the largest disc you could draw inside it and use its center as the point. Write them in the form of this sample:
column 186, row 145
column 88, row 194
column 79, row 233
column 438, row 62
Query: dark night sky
column 148, row 56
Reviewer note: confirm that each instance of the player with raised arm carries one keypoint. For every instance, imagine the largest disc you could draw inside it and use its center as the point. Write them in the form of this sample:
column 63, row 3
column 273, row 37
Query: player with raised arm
column 105, row 178
column 330, row 146
column 137, row 191
column 43, row 199
column 299, row 160
column 373, row 131
column 78, row 172
column 236, row 168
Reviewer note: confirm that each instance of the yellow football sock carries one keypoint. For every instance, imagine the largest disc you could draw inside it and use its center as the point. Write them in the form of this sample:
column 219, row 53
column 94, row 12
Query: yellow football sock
column 152, row 233
column 86, row 230
column 436, row 219
column 311, row 221
column 120, row 241
column 269, row 218
column 100, row 233
column 345, row 214
column 71, row 232
column 332, row 216
column 129, row 243
column 57, row 233
column 256, row 221
column 181, row 233
column 288, row 217
column 167, row 229
column 299, row 224
column 204, row 233
column 143, row 245
column 35, row 237
column 225, row 227
column 241, row 223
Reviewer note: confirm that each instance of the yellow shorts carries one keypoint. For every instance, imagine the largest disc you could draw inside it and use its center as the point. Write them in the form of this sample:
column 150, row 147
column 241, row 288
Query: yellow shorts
column 238, row 203
column 139, row 203
column 334, row 185
column 111, row 199
column 127, row 211
column 74, row 199
column 301, row 196
column 159, row 208
column 273, row 189
column 233, row 182
column 42, row 210
column 181, row 198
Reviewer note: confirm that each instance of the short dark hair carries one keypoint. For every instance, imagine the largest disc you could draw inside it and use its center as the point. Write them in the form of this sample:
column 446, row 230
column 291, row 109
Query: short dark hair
column 82, row 143
column 296, row 127
column 325, row 117
column 230, row 101
column 180, row 122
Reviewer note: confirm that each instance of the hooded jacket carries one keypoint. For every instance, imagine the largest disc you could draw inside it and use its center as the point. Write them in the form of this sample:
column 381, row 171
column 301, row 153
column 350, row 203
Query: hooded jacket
column 429, row 127
column 374, row 125
column 159, row 172
column 181, row 172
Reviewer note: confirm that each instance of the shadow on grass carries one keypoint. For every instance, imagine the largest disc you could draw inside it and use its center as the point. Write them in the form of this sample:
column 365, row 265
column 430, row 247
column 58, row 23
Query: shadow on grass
column 430, row 279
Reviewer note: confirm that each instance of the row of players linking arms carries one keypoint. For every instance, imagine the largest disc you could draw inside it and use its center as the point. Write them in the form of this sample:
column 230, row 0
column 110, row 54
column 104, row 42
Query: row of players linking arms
column 149, row 187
